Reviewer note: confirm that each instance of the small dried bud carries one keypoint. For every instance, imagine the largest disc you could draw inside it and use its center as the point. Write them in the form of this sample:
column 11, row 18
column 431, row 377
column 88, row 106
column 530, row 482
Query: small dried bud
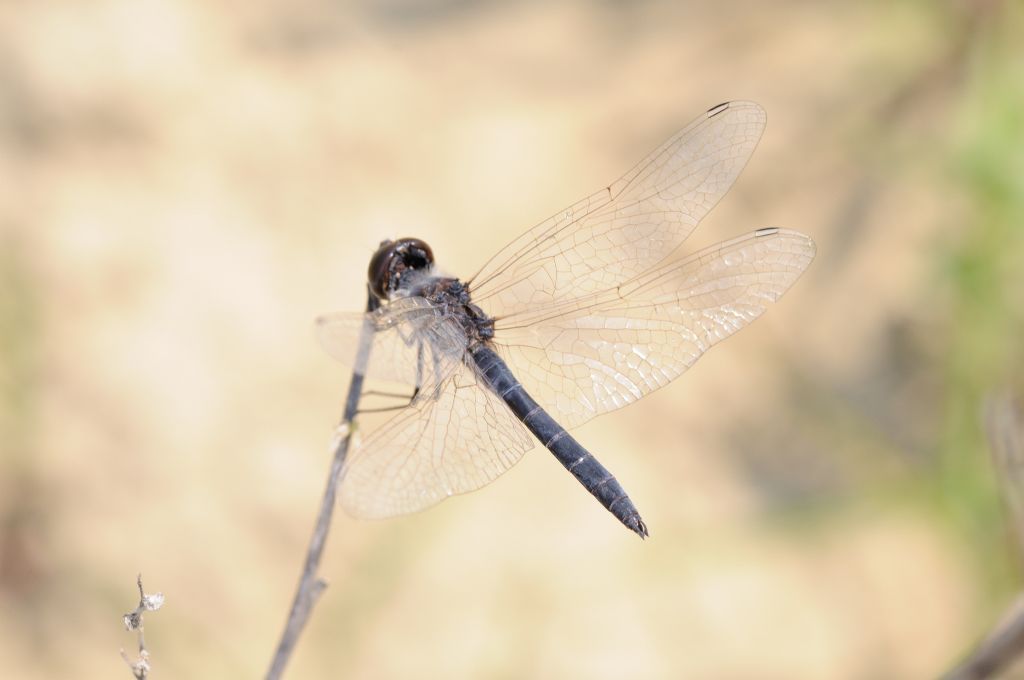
column 153, row 601
column 132, row 620
column 140, row 668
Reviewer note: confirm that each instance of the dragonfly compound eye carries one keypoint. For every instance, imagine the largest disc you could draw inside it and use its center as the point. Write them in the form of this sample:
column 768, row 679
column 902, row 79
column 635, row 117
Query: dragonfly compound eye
column 392, row 260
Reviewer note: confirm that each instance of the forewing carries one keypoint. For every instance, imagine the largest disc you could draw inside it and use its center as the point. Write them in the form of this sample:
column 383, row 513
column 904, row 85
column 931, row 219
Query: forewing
column 455, row 440
column 588, row 356
column 410, row 341
column 629, row 226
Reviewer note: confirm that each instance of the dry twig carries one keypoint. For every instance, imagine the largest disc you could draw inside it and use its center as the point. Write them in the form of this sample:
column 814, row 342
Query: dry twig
column 310, row 585
column 133, row 621
column 1004, row 421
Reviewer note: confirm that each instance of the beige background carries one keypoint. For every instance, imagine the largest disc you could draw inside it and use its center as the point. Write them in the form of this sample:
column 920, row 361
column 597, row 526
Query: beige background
column 185, row 185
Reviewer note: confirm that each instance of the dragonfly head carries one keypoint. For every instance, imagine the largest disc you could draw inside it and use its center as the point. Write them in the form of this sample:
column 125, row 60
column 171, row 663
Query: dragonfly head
column 395, row 259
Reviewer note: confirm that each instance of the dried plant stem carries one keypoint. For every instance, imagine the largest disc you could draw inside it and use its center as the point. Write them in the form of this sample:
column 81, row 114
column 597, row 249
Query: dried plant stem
column 133, row 621
column 1004, row 421
column 998, row 651
column 310, row 585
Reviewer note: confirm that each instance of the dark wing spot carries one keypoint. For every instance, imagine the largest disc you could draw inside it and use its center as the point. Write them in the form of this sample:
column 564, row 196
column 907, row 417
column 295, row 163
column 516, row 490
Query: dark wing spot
column 715, row 110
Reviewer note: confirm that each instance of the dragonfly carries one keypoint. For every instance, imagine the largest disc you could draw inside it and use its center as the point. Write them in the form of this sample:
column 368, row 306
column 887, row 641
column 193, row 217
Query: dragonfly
column 585, row 313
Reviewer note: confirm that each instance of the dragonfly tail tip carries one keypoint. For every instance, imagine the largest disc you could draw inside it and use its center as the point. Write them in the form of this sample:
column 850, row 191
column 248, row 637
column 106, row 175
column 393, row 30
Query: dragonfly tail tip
column 638, row 526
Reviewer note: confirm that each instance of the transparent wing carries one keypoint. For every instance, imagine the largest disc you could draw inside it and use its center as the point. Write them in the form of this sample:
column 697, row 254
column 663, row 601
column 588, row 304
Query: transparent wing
column 588, row 356
column 411, row 341
column 629, row 226
column 458, row 439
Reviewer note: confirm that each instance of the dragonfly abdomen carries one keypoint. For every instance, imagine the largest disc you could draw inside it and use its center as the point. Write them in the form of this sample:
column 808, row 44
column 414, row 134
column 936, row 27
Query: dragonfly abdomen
column 594, row 477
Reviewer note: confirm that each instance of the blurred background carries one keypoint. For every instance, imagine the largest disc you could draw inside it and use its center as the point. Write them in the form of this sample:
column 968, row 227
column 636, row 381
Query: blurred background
column 185, row 185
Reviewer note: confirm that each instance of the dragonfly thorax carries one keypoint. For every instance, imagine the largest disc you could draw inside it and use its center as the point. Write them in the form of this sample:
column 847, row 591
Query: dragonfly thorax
column 405, row 268
column 453, row 296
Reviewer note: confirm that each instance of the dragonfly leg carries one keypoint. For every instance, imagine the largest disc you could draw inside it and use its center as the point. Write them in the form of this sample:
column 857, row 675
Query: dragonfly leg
column 395, row 395
column 409, row 399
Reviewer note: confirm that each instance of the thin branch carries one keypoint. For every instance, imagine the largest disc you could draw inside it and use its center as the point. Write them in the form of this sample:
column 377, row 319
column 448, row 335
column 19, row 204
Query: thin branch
column 1004, row 426
column 311, row 586
column 998, row 651
column 1004, row 423
column 133, row 621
